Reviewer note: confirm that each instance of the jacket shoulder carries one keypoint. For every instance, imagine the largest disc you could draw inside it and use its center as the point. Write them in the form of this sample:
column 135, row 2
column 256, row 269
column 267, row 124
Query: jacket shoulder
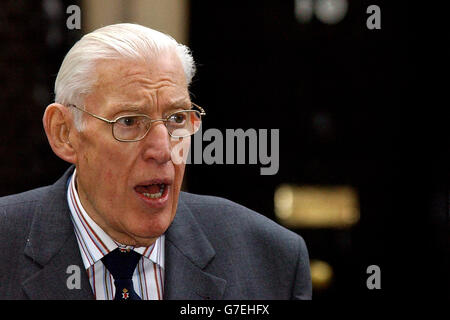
column 223, row 215
column 30, row 195
column 17, row 210
column 277, row 257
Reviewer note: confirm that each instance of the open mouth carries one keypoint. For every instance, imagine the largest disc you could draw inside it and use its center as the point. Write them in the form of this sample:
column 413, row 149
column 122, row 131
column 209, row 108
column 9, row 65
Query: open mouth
column 152, row 191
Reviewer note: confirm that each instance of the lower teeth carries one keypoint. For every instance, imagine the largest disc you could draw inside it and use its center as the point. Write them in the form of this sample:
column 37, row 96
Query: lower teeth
column 154, row 195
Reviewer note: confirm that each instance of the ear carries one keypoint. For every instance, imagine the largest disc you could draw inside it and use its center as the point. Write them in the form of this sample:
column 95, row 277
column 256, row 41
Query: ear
column 58, row 124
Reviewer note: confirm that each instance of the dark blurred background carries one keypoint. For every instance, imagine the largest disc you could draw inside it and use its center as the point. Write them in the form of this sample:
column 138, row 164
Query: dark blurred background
column 345, row 98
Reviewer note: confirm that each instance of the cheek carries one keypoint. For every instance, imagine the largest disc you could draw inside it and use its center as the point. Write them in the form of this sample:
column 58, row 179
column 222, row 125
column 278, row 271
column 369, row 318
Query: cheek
column 179, row 153
column 176, row 188
column 108, row 170
column 180, row 150
column 179, row 173
column 109, row 180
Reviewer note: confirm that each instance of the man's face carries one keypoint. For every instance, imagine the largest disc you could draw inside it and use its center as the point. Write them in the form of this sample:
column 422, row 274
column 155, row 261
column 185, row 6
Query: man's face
column 115, row 179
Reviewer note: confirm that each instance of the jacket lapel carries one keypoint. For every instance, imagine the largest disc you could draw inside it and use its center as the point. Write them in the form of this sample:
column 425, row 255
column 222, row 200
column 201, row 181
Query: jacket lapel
column 52, row 245
column 188, row 252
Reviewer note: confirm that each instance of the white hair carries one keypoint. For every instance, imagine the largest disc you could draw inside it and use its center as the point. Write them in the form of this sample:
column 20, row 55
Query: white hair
column 118, row 41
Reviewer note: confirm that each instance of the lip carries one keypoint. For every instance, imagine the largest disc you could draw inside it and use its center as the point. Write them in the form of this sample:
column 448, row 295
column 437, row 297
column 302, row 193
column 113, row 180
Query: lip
column 159, row 202
column 155, row 181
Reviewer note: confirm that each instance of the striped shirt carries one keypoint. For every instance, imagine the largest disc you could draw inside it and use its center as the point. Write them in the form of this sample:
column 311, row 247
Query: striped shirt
column 94, row 244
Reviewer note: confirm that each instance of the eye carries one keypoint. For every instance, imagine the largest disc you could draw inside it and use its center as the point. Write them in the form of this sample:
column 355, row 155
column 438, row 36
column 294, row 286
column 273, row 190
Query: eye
column 177, row 118
column 127, row 121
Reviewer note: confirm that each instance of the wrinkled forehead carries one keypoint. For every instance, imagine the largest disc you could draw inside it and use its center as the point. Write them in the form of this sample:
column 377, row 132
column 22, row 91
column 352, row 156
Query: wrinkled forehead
column 127, row 81
column 164, row 66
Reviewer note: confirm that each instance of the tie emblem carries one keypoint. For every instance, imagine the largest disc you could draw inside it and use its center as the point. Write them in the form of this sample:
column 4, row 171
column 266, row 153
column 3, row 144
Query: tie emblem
column 125, row 293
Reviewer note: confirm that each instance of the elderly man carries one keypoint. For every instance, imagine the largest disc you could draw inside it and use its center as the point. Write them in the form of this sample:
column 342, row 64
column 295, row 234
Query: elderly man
column 115, row 225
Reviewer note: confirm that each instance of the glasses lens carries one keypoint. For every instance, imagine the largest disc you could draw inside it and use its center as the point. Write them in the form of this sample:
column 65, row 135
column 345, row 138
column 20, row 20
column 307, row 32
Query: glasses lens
column 184, row 123
column 131, row 128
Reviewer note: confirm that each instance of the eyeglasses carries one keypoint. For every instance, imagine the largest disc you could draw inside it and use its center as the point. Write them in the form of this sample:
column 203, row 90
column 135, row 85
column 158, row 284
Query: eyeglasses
column 129, row 128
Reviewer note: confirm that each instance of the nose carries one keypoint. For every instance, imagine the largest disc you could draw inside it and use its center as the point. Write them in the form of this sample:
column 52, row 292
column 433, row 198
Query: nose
column 157, row 144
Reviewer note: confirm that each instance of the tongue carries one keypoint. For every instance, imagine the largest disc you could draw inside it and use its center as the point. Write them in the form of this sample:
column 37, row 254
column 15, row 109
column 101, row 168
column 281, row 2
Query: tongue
column 153, row 188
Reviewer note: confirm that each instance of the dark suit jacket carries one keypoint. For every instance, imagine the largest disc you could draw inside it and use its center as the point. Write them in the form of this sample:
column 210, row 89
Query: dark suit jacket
column 215, row 249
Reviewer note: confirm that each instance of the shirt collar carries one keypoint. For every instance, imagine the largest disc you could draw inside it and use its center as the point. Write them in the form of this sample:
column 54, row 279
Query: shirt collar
column 94, row 242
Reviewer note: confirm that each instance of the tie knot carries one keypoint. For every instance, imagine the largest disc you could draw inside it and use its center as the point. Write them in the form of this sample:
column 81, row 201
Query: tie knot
column 121, row 263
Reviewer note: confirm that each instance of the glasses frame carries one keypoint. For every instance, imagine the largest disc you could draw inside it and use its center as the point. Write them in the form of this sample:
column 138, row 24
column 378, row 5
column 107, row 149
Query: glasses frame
column 202, row 112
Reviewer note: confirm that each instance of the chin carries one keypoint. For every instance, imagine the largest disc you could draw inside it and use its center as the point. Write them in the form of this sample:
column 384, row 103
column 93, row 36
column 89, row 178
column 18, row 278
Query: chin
column 152, row 227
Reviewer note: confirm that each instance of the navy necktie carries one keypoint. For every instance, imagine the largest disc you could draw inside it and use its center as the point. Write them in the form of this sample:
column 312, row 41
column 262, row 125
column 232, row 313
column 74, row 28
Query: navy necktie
column 121, row 264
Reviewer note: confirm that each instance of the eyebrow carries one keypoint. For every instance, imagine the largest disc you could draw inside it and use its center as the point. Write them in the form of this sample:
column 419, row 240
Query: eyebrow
column 124, row 108
column 116, row 109
column 181, row 104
